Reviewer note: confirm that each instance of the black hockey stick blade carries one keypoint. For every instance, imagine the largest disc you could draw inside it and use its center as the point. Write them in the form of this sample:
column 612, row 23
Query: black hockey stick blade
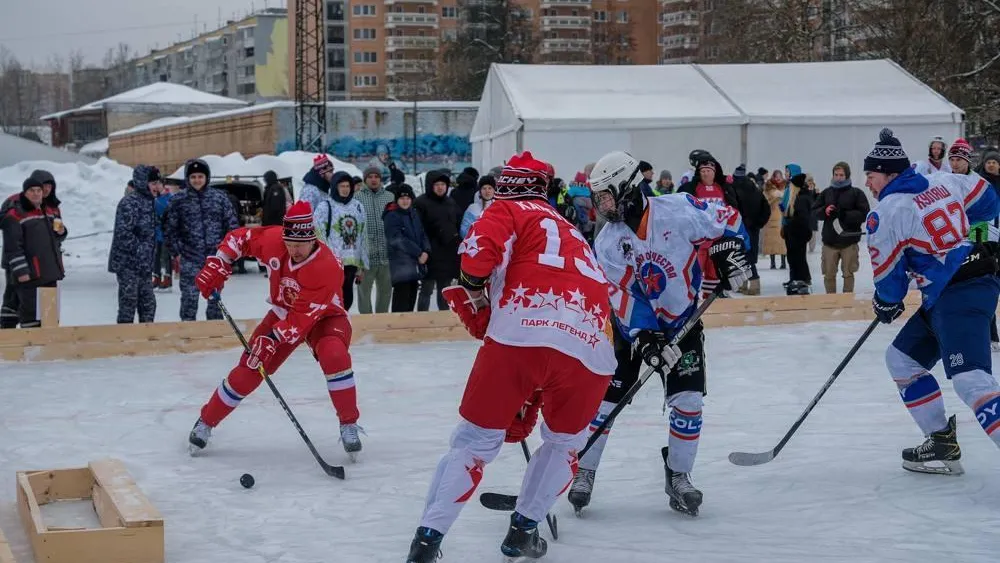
column 497, row 501
column 331, row 470
column 749, row 459
column 839, row 229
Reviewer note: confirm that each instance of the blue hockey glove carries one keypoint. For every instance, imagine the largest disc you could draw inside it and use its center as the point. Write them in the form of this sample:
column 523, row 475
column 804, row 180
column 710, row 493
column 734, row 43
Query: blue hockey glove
column 886, row 312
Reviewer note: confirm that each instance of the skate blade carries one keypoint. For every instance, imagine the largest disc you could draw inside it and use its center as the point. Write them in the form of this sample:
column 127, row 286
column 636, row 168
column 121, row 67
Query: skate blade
column 952, row 468
column 578, row 511
column 194, row 451
column 354, row 456
column 683, row 509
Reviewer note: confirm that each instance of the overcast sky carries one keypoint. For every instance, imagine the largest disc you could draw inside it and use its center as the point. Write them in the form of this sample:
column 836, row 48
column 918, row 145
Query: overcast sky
column 34, row 30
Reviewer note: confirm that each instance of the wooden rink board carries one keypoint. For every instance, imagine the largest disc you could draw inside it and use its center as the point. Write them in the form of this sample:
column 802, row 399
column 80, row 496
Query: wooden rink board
column 5, row 554
column 105, row 341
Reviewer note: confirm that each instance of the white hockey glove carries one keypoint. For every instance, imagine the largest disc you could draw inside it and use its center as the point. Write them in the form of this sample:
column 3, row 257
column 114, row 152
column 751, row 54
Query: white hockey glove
column 729, row 258
column 656, row 350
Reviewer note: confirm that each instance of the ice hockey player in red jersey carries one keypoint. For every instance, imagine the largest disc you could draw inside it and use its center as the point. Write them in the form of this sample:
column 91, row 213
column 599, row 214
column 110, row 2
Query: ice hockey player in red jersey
column 306, row 306
column 531, row 289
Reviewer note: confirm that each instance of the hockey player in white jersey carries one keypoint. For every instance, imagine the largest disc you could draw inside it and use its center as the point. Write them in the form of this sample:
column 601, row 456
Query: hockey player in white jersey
column 918, row 231
column 649, row 252
column 937, row 159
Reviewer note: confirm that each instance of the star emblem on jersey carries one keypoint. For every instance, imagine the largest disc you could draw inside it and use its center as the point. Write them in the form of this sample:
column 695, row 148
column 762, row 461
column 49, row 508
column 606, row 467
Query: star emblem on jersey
column 654, row 278
column 470, row 245
column 871, row 225
column 589, row 324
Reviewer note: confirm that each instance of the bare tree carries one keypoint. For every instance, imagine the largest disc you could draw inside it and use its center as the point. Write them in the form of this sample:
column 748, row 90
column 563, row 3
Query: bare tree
column 776, row 31
column 19, row 94
column 612, row 42
column 490, row 31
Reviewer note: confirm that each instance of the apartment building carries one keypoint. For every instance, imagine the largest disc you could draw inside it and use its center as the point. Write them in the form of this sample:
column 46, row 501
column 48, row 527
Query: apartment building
column 245, row 59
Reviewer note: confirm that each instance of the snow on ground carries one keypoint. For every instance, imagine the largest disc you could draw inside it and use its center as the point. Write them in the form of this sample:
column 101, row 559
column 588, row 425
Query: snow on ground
column 836, row 493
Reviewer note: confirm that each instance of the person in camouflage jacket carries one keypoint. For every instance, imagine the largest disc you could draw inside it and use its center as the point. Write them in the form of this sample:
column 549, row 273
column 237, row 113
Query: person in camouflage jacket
column 133, row 247
column 197, row 220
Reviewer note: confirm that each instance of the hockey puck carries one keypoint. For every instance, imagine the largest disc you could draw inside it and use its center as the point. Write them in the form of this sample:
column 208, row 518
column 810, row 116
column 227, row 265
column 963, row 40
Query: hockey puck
column 246, row 480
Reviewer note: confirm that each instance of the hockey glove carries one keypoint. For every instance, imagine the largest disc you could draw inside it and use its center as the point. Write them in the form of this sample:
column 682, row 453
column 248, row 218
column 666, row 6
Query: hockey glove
column 212, row 276
column 886, row 312
column 262, row 349
column 525, row 420
column 730, row 260
column 655, row 349
column 473, row 310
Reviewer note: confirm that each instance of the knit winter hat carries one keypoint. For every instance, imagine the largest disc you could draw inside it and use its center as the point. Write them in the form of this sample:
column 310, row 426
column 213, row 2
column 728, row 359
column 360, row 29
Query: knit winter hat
column 30, row 182
column 298, row 223
column 321, row 163
column 524, row 177
column 369, row 170
column 405, row 190
column 644, row 166
column 706, row 164
column 961, row 149
column 740, row 172
column 799, row 180
column 666, row 175
column 991, row 155
column 887, row 156
column 487, row 180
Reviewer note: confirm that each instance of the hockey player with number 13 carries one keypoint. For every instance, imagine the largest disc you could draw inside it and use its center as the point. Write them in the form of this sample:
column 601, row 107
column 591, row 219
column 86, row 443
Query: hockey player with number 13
column 649, row 252
column 918, row 231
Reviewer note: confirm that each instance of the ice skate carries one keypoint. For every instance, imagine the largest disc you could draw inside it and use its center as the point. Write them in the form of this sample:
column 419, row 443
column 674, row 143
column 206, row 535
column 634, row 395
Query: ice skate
column 995, row 346
column 940, row 447
column 425, row 547
column 199, row 437
column 684, row 497
column 523, row 540
column 349, row 435
column 580, row 490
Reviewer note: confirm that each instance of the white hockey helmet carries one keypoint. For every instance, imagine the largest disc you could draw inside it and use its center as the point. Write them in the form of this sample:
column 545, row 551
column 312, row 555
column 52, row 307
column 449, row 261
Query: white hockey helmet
column 618, row 174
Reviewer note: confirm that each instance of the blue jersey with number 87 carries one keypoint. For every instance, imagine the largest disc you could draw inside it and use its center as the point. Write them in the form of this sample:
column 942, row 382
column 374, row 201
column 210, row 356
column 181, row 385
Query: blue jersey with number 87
column 919, row 229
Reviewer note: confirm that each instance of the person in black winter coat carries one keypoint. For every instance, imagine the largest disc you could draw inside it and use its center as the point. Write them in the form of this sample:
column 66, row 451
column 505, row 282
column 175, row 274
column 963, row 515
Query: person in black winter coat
column 755, row 211
column 32, row 255
column 133, row 246
column 466, row 187
column 409, row 249
column 276, row 200
column 797, row 232
column 440, row 217
column 198, row 218
column 847, row 206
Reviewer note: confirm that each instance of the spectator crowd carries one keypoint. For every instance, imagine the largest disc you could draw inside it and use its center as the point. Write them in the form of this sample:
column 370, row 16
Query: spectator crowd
column 399, row 247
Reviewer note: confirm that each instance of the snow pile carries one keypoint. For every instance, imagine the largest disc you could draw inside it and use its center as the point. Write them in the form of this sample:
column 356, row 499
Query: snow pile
column 89, row 195
column 292, row 163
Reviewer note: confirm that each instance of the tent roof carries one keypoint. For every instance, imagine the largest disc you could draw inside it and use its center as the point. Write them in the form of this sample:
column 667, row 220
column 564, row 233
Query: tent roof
column 545, row 96
column 581, row 97
column 15, row 149
column 845, row 93
column 156, row 93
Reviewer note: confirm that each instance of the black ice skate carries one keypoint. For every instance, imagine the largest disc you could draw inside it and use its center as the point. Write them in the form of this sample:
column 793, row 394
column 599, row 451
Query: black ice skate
column 683, row 496
column 580, row 490
column 199, row 437
column 425, row 547
column 352, row 441
column 522, row 541
column 940, row 447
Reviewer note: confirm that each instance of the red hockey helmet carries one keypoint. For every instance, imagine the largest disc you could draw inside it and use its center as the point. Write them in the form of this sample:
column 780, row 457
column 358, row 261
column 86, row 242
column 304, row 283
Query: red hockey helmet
column 524, row 177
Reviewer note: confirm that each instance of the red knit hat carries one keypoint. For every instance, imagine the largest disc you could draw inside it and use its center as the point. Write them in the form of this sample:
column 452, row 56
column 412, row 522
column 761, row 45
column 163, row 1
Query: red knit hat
column 321, row 163
column 298, row 223
column 524, row 177
column 961, row 149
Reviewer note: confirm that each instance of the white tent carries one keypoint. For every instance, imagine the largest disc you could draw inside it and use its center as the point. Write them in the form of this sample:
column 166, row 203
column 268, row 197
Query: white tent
column 813, row 114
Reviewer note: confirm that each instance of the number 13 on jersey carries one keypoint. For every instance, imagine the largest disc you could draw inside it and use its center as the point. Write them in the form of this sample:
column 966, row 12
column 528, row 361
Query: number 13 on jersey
column 555, row 235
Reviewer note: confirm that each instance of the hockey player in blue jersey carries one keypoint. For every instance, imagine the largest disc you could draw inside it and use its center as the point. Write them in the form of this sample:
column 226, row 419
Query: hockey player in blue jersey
column 648, row 250
column 918, row 231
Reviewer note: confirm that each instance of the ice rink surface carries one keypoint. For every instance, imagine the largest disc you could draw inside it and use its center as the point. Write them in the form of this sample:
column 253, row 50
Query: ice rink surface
column 836, row 493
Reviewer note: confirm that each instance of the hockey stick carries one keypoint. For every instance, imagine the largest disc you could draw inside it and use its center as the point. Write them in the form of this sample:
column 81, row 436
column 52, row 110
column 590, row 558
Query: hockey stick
column 331, row 470
column 498, row 501
column 748, row 459
column 839, row 229
column 550, row 519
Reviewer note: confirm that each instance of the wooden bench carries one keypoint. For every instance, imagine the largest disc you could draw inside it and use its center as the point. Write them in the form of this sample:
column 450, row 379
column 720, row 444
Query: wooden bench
column 131, row 527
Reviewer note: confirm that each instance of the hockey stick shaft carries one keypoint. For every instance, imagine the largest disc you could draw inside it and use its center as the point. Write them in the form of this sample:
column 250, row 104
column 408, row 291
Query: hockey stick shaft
column 757, row 459
column 549, row 519
column 332, row 470
column 627, row 398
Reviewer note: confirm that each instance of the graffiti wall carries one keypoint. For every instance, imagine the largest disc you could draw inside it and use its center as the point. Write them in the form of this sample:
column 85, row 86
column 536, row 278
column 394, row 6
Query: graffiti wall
column 356, row 134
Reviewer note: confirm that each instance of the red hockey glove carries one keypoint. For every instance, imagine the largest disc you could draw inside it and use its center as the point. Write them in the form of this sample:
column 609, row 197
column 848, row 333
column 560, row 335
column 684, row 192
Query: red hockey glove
column 474, row 311
column 525, row 420
column 212, row 276
column 262, row 349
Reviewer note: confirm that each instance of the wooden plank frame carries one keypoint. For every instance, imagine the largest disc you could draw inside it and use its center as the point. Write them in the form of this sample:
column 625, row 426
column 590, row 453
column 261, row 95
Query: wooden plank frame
column 131, row 527
column 6, row 556
column 89, row 342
